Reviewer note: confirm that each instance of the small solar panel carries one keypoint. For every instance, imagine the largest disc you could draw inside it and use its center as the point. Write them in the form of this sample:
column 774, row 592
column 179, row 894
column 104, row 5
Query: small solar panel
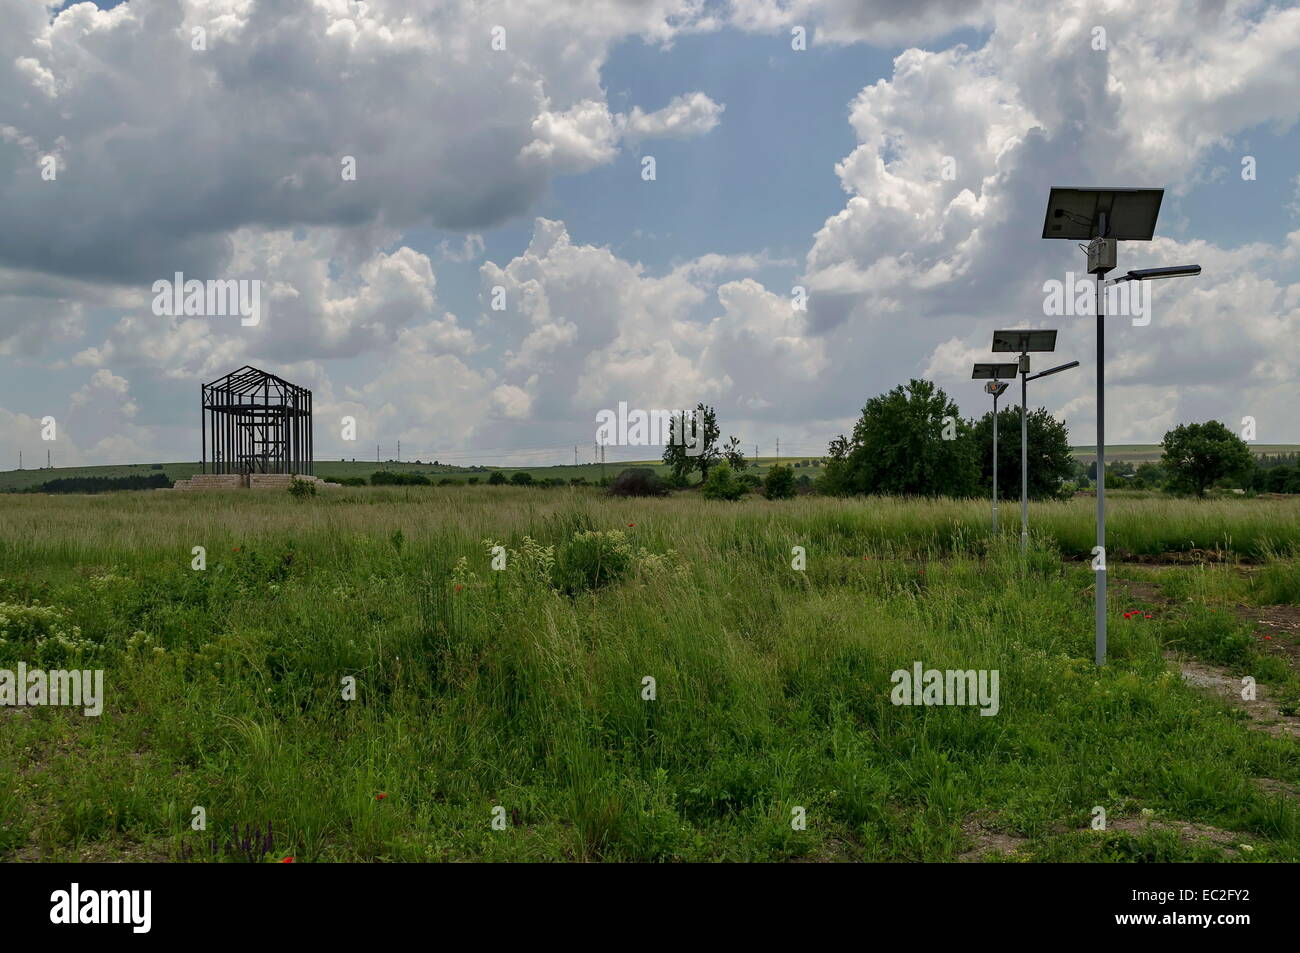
column 983, row 372
column 1075, row 213
column 1019, row 341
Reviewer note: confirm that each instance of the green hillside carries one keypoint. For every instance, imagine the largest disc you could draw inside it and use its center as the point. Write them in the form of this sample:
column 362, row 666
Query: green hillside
column 1142, row 452
column 592, row 472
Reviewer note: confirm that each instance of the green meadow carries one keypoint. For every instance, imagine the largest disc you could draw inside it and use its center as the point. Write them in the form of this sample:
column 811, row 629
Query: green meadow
column 349, row 678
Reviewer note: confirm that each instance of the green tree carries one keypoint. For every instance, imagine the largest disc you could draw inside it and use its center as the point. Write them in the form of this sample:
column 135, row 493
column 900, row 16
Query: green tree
column 722, row 484
column 1050, row 464
column 1198, row 455
column 834, row 478
column 701, row 430
column 733, row 454
column 497, row 478
column 1149, row 476
column 521, row 478
column 911, row 441
column 779, row 483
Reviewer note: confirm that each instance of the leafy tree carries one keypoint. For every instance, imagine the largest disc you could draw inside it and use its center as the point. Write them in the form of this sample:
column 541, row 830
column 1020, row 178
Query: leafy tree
column 733, row 454
column 1149, row 476
column 911, row 441
column 521, row 478
column 1277, row 479
column 1198, row 455
column 1120, row 474
column 779, row 483
column 722, row 485
column 497, row 478
column 1049, row 459
column 703, row 427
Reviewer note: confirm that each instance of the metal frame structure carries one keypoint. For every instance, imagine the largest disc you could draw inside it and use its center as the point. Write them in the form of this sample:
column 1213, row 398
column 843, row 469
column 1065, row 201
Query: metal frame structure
column 255, row 422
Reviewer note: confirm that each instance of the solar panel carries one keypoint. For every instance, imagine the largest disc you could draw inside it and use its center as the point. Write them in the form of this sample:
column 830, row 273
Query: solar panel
column 1074, row 213
column 1019, row 341
column 994, row 371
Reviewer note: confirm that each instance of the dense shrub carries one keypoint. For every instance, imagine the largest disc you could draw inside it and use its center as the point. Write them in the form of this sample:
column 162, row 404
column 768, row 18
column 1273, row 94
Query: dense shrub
column 638, row 481
column 722, row 484
column 497, row 478
column 521, row 478
column 591, row 559
column 349, row 481
column 301, row 489
column 779, row 483
column 388, row 478
column 155, row 481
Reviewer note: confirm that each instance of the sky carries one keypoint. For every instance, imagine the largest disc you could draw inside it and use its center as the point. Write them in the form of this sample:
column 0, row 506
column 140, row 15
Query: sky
column 846, row 194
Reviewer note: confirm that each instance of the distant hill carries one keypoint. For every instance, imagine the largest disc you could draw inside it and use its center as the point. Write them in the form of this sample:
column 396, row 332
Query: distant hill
column 1142, row 452
column 592, row 472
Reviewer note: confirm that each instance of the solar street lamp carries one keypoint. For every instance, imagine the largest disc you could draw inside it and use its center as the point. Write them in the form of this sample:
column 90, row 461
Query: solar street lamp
column 994, row 373
column 1103, row 218
column 1026, row 341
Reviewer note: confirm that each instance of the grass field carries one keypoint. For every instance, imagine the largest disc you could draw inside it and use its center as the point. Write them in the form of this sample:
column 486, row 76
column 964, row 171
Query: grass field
column 520, row 693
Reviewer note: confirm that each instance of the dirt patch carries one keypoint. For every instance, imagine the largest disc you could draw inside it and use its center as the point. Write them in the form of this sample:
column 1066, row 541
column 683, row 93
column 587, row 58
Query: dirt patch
column 1188, row 557
column 1188, row 832
column 1262, row 709
column 1277, row 630
column 1273, row 787
column 1141, row 591
column 987, row 841
column 833, row 851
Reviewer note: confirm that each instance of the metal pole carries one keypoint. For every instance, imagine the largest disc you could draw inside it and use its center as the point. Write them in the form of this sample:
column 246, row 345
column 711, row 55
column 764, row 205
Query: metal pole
column 1024, row 456
column 995, row 459
column 1100, row 563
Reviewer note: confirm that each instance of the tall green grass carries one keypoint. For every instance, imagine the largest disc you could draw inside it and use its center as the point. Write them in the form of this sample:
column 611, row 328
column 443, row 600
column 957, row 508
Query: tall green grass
column 478, row 688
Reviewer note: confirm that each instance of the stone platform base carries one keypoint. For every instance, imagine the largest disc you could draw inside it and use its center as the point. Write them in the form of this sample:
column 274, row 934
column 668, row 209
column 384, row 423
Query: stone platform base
column 251, row 481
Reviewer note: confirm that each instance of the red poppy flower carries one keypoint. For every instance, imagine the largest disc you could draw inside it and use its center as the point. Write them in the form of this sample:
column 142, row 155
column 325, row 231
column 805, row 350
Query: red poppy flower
column 459, row 587
column 631, row 524
column 380, row 797
column 1268, row 637
column 287, row 860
